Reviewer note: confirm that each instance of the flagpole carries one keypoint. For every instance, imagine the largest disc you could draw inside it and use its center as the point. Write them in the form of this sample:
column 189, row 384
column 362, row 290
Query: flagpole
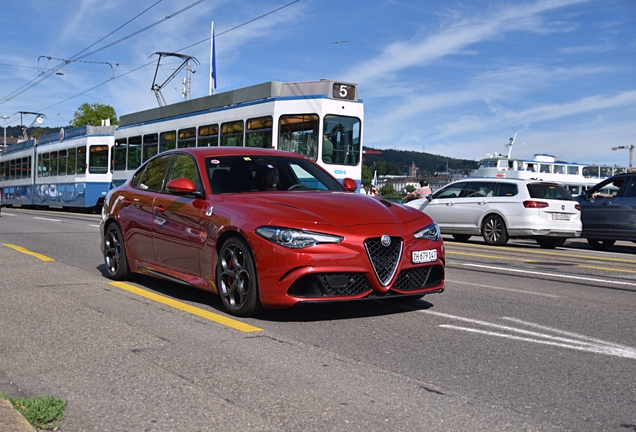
column 212, row 63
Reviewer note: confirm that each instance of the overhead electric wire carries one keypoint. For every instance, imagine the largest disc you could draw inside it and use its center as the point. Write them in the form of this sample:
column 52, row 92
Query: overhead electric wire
column 38, row 79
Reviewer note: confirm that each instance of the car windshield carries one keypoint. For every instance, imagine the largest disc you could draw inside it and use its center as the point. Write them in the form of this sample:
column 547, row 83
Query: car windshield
column 232, row 174
column 549, row 191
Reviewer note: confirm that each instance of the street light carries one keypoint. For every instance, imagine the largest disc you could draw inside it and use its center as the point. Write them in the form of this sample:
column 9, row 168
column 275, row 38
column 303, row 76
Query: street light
column 5, row 129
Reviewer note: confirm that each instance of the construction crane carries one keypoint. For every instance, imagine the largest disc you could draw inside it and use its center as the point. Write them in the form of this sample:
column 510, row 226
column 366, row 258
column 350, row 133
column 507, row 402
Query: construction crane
column 631, row 154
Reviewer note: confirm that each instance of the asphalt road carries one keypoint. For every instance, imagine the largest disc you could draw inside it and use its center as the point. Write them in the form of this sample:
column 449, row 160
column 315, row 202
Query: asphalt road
column 523, row 338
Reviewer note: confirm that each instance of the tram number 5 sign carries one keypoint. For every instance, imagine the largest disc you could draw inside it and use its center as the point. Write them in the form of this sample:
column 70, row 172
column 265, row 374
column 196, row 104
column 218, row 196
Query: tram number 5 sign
column 344, row 91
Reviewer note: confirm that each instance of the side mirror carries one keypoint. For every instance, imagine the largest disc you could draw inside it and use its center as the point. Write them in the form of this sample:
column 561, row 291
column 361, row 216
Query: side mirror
column 181, row 186
column 429, row 197
column 350, row 184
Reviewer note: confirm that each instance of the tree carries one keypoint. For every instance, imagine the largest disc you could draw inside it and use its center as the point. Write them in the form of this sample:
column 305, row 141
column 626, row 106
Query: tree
column 387, row 190
column 93, row 114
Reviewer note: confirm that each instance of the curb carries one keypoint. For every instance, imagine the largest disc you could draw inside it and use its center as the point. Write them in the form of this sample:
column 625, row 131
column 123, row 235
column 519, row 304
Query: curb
column 11, row 419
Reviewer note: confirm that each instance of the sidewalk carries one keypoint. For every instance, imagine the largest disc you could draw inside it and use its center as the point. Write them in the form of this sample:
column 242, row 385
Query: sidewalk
column 11, row 419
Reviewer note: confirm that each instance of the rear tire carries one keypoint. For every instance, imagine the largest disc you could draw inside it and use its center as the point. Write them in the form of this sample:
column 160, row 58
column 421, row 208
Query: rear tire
column 601, row 244
column 236, row 279
column 115, row 254
column 461, row 237
column 494, row 231
column 550, row 242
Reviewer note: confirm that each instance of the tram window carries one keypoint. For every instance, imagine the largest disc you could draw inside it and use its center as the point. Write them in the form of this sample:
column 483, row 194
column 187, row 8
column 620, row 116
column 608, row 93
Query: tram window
column 81, row 160
column 343, row 133
column 3, row 170
column 72, row 161
column 12, row 169
column 232, row 134
column 98, row 159
column 187, row 138
column 61, row 162
column 208, row 136
column 25, row 168
column 259, row 132
column 298, row 133
column 53, row 164
column 134, row 152
column 150, row 146
column 119, row 154
column 45, row 164
column 167, row 141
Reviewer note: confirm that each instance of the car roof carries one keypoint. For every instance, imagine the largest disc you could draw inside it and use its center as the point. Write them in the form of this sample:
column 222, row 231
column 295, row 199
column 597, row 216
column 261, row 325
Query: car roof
column 505, row 179
column 234, row 151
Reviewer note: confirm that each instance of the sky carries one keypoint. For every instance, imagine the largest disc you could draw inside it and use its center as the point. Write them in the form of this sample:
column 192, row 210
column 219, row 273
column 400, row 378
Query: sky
column 454, row 78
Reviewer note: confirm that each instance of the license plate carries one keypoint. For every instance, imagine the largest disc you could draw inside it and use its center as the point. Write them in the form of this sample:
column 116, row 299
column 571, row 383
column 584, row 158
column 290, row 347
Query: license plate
column 424, row 256
column 560, row 216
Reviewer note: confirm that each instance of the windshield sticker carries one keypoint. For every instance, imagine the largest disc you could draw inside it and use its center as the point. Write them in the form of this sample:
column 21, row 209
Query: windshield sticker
column 215, row 161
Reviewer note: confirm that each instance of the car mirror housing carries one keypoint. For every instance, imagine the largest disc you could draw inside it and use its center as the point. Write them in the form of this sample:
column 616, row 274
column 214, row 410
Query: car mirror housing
column 350, row 184
column 181, row 186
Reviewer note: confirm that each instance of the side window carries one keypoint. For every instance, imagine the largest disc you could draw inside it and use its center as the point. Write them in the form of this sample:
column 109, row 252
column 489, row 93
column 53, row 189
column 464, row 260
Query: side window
column 450, row 191
column 477, row 189
column 152, row 177
column 630, row 190
column 506, row 189
column 185, row 166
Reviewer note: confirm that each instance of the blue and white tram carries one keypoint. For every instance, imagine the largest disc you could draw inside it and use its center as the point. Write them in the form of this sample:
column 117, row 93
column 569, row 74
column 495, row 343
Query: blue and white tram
column 69, row 169
column 321, row 120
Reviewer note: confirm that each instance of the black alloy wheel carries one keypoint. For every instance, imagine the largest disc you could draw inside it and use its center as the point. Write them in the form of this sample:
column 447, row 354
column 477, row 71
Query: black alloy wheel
column 550, row 242
column 236, row 278
column 601, row 244
column 461, row 237
column 115, row 253
column 494, row 231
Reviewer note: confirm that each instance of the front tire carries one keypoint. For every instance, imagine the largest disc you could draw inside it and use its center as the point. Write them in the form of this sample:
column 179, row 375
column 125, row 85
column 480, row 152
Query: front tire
column 601, row 244
column 236, row 279
column 115, row 254
column 494, row 231
column 550, row 242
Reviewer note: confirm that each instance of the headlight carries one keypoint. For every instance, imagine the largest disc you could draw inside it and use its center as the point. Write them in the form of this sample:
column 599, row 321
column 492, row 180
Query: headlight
column 431, row 232
column 296, row 239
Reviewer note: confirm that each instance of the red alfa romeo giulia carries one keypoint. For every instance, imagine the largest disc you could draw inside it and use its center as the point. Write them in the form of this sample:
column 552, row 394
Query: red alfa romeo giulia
column 265, row 229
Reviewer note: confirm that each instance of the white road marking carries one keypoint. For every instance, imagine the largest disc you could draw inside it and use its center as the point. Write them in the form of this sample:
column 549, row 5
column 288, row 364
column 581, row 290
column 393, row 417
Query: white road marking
column 7, row 214
column 96, row 226
column 504, row 289
column 47, row 219
column 576, row 341
column 551, row 274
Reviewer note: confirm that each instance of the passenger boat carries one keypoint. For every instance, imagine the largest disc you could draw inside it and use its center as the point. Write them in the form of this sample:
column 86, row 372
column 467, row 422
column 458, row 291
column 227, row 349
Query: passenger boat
column 576, row 177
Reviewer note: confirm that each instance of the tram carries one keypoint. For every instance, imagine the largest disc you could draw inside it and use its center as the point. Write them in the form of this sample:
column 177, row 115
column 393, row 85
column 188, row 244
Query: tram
column 69, row 169
column 321, row 120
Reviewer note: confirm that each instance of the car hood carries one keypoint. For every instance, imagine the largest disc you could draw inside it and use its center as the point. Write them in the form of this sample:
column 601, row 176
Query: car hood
column 318, row 207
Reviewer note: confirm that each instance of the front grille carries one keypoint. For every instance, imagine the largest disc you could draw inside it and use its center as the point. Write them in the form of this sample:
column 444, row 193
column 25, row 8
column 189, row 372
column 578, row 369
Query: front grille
column 330, row 285
column 419, row 277
column 384, row 259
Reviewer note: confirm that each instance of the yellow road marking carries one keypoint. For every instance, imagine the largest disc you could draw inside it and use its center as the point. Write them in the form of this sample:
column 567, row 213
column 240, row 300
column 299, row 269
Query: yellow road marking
column 28, row 252
column 229, row 322
column 489, row 256
column 540, row 252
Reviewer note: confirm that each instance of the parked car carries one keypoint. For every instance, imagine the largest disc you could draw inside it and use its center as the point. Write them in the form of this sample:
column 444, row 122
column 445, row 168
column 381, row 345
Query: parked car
column 266, row 228
column 499, row 209
column 608, row 211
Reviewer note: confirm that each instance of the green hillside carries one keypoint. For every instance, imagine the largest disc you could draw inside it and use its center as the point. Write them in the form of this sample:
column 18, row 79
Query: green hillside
column 427, row 164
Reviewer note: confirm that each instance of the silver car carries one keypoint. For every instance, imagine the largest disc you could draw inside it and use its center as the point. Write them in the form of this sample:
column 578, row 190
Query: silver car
column 499, row 209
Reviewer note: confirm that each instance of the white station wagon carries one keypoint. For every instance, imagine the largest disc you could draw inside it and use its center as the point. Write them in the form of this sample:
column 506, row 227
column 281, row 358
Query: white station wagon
column 499, row 209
